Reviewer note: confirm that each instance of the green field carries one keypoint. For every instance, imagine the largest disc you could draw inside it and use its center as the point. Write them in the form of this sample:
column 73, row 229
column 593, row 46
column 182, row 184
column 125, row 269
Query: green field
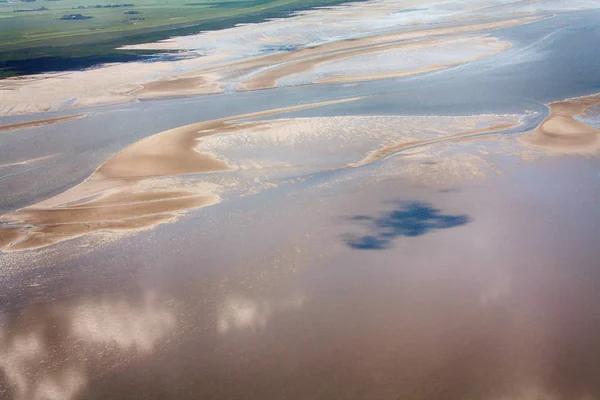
column 38, row 41
column 27, row 28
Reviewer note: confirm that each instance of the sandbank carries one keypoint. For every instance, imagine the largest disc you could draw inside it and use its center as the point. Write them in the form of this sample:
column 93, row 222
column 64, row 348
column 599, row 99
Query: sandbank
column 309, row 58
column 138, row 188
column 39, row 122
column 562, row 132
column 389, row 150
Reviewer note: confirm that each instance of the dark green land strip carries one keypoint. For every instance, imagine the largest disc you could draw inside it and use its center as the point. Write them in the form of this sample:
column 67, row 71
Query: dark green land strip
column 58, row 50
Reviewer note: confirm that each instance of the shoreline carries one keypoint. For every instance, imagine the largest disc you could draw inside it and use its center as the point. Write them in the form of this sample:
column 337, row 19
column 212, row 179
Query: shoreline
column 210, row 74
column 561, row 132
column 116, row 43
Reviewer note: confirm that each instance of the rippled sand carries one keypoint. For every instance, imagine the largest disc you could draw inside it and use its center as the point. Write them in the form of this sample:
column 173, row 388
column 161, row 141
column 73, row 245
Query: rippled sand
column 29, row 124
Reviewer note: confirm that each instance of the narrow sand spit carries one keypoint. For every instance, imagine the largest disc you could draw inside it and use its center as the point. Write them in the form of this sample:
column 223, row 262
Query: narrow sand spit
column 27, row 162
column 562, row 132
column 138, row 188
column 310, row 58
column 386, row 151
column 38, row 122
column 494, row 47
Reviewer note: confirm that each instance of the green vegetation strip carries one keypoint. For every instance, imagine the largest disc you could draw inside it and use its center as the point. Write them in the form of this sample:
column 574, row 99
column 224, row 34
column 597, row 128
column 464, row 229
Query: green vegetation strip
column 87, row 32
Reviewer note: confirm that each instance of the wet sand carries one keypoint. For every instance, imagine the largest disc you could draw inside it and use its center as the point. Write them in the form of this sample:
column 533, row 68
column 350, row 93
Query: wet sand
column 179, row 86
column 29, row 124
column 562, row 133
column 142, row 186
column 460, row 261
column 325, row 55
column 27, row 162
column 136, row 189
column 389, row 150
column 209, row 74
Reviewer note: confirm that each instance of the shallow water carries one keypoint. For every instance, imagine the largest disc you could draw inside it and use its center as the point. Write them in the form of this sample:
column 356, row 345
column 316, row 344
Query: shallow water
column 461, row 270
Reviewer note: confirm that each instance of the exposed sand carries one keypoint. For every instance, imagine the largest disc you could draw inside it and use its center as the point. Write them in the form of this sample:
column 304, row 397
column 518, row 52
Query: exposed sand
column 136, row 189
column 144, row 184
column 334, row 143
column 179, row 86
column 128, row 82
column 388, row 150
column 562, row 133
column 109, row 84
column 303, row 60
column 38, row 122
column 270, row 77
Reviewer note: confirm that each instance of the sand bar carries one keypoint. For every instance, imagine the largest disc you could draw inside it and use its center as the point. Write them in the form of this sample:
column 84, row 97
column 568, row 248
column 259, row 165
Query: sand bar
column 309, row 58
column 562, row 132
column 38, row 122
column 138, row 188
column 389, row 150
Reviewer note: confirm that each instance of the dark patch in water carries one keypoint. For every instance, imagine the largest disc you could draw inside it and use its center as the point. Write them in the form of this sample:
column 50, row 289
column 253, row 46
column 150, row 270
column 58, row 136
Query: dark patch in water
column 410, row 219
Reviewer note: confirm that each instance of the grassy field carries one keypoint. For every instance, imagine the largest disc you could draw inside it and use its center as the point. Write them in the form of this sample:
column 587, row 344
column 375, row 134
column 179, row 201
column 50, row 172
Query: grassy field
column 38, row 41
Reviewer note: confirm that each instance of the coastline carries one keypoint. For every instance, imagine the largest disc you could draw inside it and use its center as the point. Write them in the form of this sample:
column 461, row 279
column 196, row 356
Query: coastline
column 561, row 132
column 210, row 74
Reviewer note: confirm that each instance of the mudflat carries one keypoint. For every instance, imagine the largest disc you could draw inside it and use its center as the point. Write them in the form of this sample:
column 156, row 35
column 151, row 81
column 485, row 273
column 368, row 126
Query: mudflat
column 406, row 209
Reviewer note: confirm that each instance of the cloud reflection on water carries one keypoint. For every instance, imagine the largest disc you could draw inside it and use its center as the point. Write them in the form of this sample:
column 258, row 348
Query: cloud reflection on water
column 47, row 352
column 240, row 312
column 127, row 326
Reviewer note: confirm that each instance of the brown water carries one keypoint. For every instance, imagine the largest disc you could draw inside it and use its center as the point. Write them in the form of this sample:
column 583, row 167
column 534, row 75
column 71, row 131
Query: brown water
column 360, row 289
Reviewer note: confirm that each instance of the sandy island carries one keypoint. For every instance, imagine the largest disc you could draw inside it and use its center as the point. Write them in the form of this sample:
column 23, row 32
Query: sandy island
column 138, row 188
column 561, row 132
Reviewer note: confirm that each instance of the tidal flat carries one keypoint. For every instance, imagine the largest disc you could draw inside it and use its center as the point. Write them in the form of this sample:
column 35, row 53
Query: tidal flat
column 381, row 199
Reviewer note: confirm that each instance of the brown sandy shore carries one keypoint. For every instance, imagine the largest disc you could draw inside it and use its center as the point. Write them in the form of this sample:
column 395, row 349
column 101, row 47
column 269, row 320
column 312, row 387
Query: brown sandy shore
column 562, row 133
